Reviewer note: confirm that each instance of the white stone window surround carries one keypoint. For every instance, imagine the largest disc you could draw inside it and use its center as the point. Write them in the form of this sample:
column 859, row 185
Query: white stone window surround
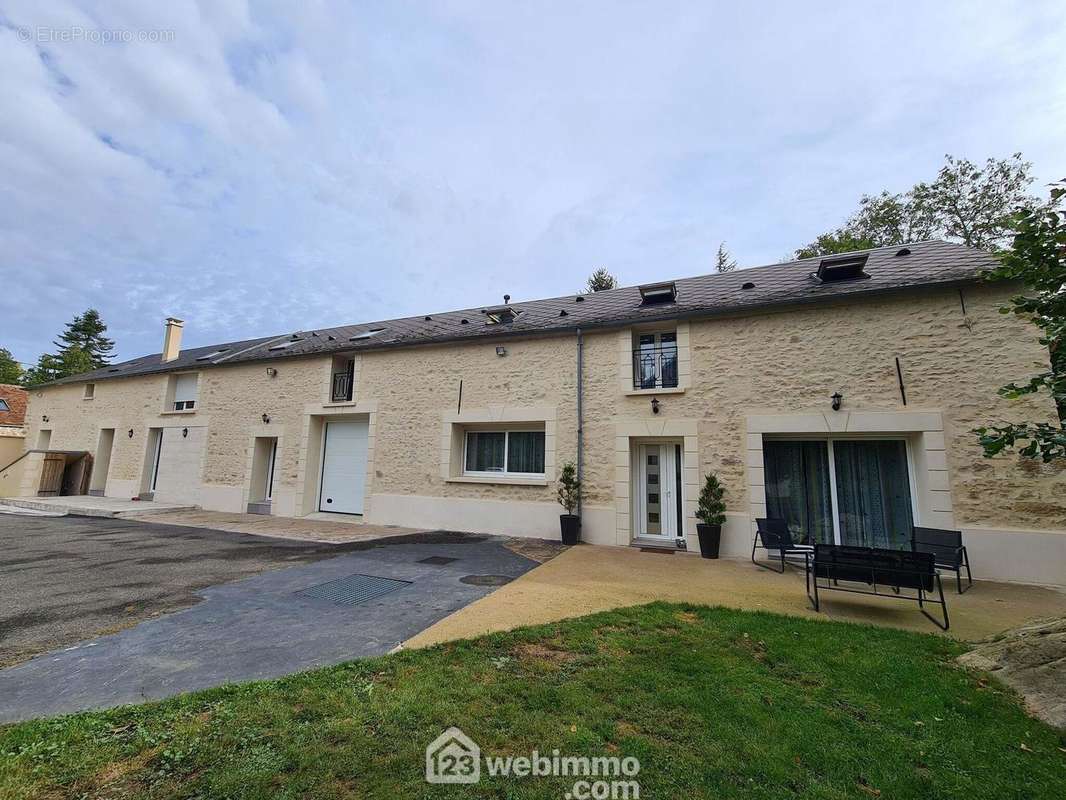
column 922, row 430
column 684, row 357
column 182, row 388
column 454, row 426
column 630, row 432
column 309, row 457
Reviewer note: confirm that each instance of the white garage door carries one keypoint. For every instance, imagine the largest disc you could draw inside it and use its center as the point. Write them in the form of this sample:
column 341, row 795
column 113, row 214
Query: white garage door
column 344, row 467
column 180, row 464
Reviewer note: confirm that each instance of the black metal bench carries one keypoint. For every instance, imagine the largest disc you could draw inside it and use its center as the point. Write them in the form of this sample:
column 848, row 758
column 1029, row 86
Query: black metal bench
column 876, row 567
column 947, row 549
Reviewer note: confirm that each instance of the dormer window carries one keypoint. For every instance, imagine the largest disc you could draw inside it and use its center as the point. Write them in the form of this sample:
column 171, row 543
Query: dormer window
column 500, row 316
column 655, row 293
column 841, row 268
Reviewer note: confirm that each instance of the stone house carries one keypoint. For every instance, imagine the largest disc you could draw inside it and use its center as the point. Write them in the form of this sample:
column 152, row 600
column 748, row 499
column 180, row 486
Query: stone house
column 462, row 420
column 12, row 423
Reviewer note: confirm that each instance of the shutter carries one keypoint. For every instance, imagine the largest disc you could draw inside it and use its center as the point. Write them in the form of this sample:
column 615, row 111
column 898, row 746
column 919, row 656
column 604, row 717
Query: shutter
column 185, row 387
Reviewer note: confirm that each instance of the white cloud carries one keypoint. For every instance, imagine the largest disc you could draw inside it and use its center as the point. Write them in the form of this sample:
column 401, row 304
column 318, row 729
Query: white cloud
column 281, row 165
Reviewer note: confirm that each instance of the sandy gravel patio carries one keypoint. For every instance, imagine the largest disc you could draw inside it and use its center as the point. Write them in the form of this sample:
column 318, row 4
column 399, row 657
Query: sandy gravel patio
column 589, row 578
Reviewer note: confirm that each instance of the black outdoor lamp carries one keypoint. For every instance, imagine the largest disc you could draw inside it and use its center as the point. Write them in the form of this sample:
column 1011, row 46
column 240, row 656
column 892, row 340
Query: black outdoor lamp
column 130, row 433
column 266, row 418
column 655, row 405
column 184, row 433
column 837, row 399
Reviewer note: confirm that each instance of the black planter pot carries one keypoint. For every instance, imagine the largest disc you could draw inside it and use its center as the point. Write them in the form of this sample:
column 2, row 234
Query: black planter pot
column 570, row 525
column 710, row 539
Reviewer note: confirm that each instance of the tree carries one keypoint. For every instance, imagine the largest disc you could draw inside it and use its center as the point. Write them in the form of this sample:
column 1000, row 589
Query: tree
column 1038, row 259
column 86, row 333
column 723, row 262
column 964, row 202
column 710, row 508
column 600, row 280
column 10, row 369
column 49, row 367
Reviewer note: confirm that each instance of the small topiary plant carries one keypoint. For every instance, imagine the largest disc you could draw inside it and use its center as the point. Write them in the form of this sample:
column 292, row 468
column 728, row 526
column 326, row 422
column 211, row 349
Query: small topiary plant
column 711, row 508
column 569, row 487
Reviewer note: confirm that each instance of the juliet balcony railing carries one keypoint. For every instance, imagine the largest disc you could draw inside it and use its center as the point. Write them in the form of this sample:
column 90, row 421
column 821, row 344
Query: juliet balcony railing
column 655, row 368
column 342, row 386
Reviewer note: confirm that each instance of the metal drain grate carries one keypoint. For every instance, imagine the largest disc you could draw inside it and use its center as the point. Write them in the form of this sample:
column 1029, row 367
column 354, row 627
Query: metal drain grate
column 353, row 589
column 438, row 561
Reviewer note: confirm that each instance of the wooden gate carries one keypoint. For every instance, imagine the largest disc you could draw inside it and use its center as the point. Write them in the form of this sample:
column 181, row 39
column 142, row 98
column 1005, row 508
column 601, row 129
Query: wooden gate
column 52, row 474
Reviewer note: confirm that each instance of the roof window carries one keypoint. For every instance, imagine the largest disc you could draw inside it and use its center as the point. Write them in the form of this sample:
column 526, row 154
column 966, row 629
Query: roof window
column 842, row 268
column 367, row 334
column 213, row 355
column 283, row 345
column 502, row 315
column 655, row 293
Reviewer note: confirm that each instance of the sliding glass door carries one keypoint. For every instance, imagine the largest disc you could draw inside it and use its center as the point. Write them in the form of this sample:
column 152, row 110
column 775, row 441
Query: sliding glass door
column 848, row 491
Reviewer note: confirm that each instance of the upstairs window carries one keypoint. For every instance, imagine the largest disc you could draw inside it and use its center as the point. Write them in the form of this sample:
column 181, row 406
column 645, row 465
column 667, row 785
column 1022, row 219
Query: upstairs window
column 186, row 386
column 90, row 391
column 493, row 453
column 655, row 360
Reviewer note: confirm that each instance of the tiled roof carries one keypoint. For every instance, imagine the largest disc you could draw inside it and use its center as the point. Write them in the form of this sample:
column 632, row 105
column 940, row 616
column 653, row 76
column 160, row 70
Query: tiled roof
column 15, row 397
column 926, row 264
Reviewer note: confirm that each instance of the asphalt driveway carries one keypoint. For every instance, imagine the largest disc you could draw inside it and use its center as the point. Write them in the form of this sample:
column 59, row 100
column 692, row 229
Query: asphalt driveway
column 64, row 579
column 245, row 607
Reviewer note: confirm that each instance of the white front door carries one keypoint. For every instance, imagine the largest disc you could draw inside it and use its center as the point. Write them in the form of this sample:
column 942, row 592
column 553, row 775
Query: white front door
column 344, row 467
column 658, row 487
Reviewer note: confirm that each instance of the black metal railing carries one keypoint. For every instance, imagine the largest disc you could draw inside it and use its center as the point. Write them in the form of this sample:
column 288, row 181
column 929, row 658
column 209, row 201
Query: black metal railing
column 342, row 386
column 655, row 369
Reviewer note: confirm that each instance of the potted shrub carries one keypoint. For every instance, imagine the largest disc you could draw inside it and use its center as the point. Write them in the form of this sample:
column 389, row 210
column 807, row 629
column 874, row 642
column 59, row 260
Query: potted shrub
column 711, row 515
column 569, row 494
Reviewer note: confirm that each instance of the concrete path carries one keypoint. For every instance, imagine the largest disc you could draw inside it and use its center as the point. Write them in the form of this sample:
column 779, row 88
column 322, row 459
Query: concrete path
column 587, row 579
column 331, row 528
column 84, row 505
column 261, row 627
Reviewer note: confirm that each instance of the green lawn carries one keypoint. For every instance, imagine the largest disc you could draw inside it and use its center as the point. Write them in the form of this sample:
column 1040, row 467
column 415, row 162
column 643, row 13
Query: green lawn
column 715, row 703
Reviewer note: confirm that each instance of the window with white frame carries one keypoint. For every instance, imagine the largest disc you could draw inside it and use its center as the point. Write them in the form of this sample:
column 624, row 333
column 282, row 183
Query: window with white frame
column 186, row 387
column 510, row 452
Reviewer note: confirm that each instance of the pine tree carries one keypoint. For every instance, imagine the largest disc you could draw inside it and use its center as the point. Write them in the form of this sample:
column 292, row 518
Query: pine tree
column 600, row 280
column 86, row 333
column 724, row 262
column 10, row 369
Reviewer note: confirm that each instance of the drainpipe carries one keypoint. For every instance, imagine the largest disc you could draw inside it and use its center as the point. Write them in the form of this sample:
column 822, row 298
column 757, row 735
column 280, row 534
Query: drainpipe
column 580, row 417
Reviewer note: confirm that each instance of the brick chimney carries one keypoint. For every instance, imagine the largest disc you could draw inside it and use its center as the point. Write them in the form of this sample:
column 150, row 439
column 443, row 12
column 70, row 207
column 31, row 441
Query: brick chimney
column 172, row 339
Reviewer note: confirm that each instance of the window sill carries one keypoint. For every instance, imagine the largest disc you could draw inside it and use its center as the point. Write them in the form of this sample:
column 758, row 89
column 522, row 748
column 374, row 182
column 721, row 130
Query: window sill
column 666, row 390
column 341, row 404
column 88, row 398
column 182, row 412
column 504, row 479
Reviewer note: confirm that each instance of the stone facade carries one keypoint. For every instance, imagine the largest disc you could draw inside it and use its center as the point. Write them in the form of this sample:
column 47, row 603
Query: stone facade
column 786, row 362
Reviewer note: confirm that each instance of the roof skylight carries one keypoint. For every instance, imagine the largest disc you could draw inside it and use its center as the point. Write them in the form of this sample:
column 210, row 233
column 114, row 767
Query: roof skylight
column 841, row 268
column 213, row 355
column 367, row 334
column 652, row 293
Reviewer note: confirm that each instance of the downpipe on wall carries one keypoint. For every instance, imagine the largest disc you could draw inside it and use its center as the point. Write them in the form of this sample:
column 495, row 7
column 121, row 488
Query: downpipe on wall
column 580, row 415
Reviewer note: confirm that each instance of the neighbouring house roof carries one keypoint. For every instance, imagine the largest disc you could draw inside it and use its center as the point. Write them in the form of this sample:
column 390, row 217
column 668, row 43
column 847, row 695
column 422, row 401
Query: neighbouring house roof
column 15, row 399
column 895, row 268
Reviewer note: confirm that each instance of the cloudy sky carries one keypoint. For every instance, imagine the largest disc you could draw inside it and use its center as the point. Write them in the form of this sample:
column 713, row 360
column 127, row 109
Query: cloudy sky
column 257, row 168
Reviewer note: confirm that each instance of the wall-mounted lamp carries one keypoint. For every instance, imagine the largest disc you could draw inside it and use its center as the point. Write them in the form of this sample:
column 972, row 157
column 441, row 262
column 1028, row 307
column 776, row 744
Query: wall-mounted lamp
column 44, row 418
column 501, row 350
column 273, row 373
column 184, row 433
column 130, row 433
column 837, row 399
column 266, row 419
column 655, row 405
